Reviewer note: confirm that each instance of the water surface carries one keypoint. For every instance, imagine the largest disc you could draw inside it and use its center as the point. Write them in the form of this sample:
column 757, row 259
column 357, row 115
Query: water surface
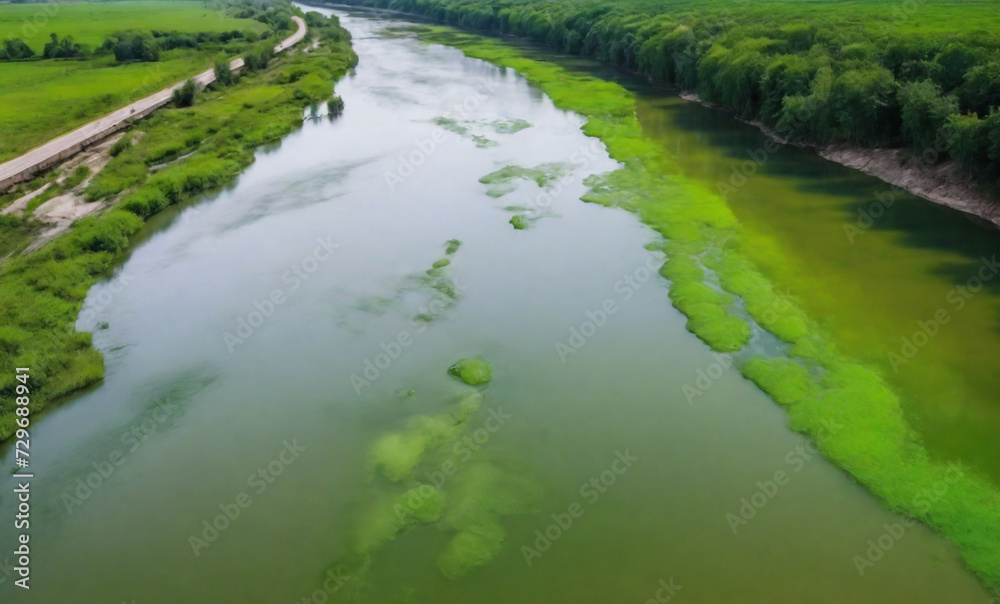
column 189, row 414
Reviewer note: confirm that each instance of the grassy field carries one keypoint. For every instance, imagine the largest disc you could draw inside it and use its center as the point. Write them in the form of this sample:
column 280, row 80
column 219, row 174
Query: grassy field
column 42, row 99
column 89, row 23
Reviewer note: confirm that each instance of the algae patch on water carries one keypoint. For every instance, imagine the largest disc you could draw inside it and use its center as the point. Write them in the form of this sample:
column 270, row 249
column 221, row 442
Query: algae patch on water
column 850, row 411
column 519, row 222
column 510, row 126
column 473, row 372
column 470, row 495
column 543, row 175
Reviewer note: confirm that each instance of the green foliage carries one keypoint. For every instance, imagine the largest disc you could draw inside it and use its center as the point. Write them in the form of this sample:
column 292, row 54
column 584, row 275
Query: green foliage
column 184, row 95
column 62, row 49
column 133, row 46
column 15, row 48
column 258, row 57
column 224, row 75
column 924, row 112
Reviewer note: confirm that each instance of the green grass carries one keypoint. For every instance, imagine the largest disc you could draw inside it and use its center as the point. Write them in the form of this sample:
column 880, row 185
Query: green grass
column 43, row 99
column 41, row 294
column 848, row 409
column 90, row 22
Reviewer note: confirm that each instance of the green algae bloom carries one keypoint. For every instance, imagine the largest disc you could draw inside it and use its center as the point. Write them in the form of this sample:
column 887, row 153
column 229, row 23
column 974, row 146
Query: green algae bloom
column 471, row 549
column 519, row 222
column 849, row 409
column 510, row 126
column 473, row 372
column 543, row 175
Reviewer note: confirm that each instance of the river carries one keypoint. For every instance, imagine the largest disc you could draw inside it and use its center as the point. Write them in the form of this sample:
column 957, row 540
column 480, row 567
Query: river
column 260, row 340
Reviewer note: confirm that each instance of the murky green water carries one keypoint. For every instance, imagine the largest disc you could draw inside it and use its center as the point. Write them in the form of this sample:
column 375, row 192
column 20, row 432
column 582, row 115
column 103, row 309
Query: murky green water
column 188, row 415
column 906, row 285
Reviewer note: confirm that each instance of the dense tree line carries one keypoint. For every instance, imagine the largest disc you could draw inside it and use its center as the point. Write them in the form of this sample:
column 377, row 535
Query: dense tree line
column 816, row 79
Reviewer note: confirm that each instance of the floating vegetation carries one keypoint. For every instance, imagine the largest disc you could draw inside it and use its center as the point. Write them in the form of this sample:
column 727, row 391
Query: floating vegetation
column 848, row 409
column 543, row 175
column 455, row 127
column 510, row 126
column 519, row 222
column 473, row 372
column 469, row 500
column 452, row 246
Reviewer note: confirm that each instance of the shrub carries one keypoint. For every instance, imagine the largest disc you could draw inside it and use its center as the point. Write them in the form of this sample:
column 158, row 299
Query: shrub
column 184, row 96
column 133, row 46
column 15, row 48
column 258, row 57
column 224, row 75
column 62, row 49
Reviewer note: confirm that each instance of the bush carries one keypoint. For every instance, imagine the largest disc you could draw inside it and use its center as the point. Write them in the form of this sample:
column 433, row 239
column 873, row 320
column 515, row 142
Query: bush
column 15, row 48
column 133, row 46
column 257, row 58
column 224, row 75
column 184, row 96
column 62, row 49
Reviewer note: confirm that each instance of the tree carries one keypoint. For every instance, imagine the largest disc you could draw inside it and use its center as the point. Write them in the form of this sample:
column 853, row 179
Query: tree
column 967, row 140
column 61, row 49
column 258, row 57
column 924, row 111
column 15, row 48
column 184, row 96
column 133, row 46
column 223, row 73
column 982, row 88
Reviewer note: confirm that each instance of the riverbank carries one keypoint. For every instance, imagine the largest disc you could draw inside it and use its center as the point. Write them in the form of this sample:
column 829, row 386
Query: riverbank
column 847, row 408
column 946, row 182
column 41, row 293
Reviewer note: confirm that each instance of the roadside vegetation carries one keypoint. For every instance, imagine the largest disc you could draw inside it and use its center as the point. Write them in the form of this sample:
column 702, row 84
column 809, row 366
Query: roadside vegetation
column 878, row 73
column 62, row 65
column 209, row 143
